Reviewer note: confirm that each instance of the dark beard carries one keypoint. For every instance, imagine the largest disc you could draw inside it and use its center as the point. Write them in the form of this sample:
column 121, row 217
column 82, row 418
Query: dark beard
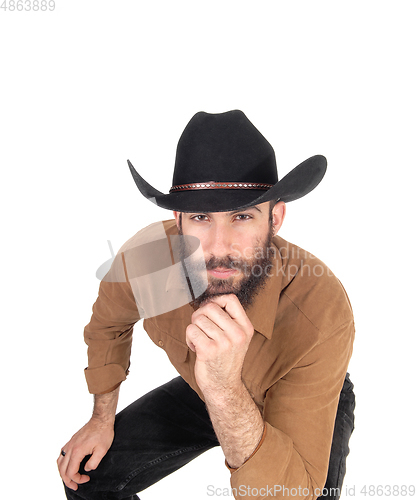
column 255, row 274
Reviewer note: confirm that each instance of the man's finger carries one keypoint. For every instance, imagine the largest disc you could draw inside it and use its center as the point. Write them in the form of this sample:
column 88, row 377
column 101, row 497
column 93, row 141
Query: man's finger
column 210, row 309
column 227, row 312
column 62, row 463
column 79, row 478
column 73, row 468
column 95, row 460
column 213, row 319
column 231, row 304
column 210, row 322
column 196, row 339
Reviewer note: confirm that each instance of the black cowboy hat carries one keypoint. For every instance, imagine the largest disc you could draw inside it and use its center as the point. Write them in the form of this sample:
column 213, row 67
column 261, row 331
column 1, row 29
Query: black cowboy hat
column 224, row 163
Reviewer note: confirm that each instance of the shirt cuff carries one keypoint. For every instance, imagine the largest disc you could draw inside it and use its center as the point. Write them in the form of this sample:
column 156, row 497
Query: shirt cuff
column 255, row 450
column 268, row 463
column 104, row 379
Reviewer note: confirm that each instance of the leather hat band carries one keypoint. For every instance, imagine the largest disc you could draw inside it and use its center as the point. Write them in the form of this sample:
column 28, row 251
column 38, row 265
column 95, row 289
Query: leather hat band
column 220, row 185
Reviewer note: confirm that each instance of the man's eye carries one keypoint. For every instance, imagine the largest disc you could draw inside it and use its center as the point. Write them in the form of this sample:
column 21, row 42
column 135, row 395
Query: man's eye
column 199, row 217
column 243, row 216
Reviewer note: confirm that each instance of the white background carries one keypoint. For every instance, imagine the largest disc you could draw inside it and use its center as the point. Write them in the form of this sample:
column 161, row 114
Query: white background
column 93, row 83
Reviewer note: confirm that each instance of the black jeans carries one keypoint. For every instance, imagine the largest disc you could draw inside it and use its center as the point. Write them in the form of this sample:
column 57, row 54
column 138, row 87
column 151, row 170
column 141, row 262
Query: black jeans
column 164, row 430
column 343, row 428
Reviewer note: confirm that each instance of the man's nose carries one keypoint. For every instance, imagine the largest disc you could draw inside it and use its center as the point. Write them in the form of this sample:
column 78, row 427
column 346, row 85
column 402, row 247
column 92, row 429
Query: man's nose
column 220, row 241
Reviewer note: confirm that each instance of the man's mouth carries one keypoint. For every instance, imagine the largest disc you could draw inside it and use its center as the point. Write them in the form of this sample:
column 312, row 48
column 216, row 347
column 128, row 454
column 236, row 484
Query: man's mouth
column 221, row 272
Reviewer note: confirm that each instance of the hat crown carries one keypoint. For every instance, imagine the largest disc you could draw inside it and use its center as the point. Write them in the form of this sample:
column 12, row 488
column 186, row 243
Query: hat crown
column 223, row 147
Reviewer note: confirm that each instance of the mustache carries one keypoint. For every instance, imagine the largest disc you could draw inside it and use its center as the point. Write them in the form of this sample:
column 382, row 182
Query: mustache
column 224, row 263
column 214, row 262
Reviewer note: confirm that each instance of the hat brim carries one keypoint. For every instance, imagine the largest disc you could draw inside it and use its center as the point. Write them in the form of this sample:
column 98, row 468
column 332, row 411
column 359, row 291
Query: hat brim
column 296, row 184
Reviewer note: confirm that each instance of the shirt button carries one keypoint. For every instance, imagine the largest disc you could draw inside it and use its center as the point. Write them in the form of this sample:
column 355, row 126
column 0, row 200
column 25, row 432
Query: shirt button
column 160, row 343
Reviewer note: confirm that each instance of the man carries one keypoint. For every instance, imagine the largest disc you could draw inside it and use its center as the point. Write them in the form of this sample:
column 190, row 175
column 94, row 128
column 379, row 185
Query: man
column 262, row 347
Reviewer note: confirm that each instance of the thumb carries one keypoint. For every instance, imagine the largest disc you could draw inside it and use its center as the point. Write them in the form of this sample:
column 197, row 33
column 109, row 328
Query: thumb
column 95, row 459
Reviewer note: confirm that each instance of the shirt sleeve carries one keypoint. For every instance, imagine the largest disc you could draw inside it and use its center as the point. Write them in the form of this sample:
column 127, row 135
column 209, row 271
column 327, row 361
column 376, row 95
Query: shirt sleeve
column 299, row 414
column 109, row 332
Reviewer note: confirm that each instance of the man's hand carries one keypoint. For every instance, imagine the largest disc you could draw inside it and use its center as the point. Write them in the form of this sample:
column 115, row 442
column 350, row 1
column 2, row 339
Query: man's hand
column 95, row 438
column 219, row 334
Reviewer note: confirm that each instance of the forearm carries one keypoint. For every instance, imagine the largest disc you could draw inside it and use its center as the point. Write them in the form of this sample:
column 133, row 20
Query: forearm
column 237, row 422
column 105, row 406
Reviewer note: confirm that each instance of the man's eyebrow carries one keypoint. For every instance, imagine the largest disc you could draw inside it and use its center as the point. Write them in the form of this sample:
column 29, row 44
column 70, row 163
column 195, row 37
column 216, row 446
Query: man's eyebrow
column 233, row 212
column 247, row 208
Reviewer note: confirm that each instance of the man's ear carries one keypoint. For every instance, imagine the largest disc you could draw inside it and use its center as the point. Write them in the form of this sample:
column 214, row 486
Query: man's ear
column 177, row 216
column 278, row 215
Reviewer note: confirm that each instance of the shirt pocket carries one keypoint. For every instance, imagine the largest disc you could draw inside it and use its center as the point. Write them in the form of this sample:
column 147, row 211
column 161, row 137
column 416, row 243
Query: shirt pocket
column 176, row 350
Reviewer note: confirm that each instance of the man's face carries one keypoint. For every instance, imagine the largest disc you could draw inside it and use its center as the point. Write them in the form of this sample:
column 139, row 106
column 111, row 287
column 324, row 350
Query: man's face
column 236, row 247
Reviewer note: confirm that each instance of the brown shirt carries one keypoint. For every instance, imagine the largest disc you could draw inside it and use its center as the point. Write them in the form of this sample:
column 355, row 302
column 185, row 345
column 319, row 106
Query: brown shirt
column 294, row 368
